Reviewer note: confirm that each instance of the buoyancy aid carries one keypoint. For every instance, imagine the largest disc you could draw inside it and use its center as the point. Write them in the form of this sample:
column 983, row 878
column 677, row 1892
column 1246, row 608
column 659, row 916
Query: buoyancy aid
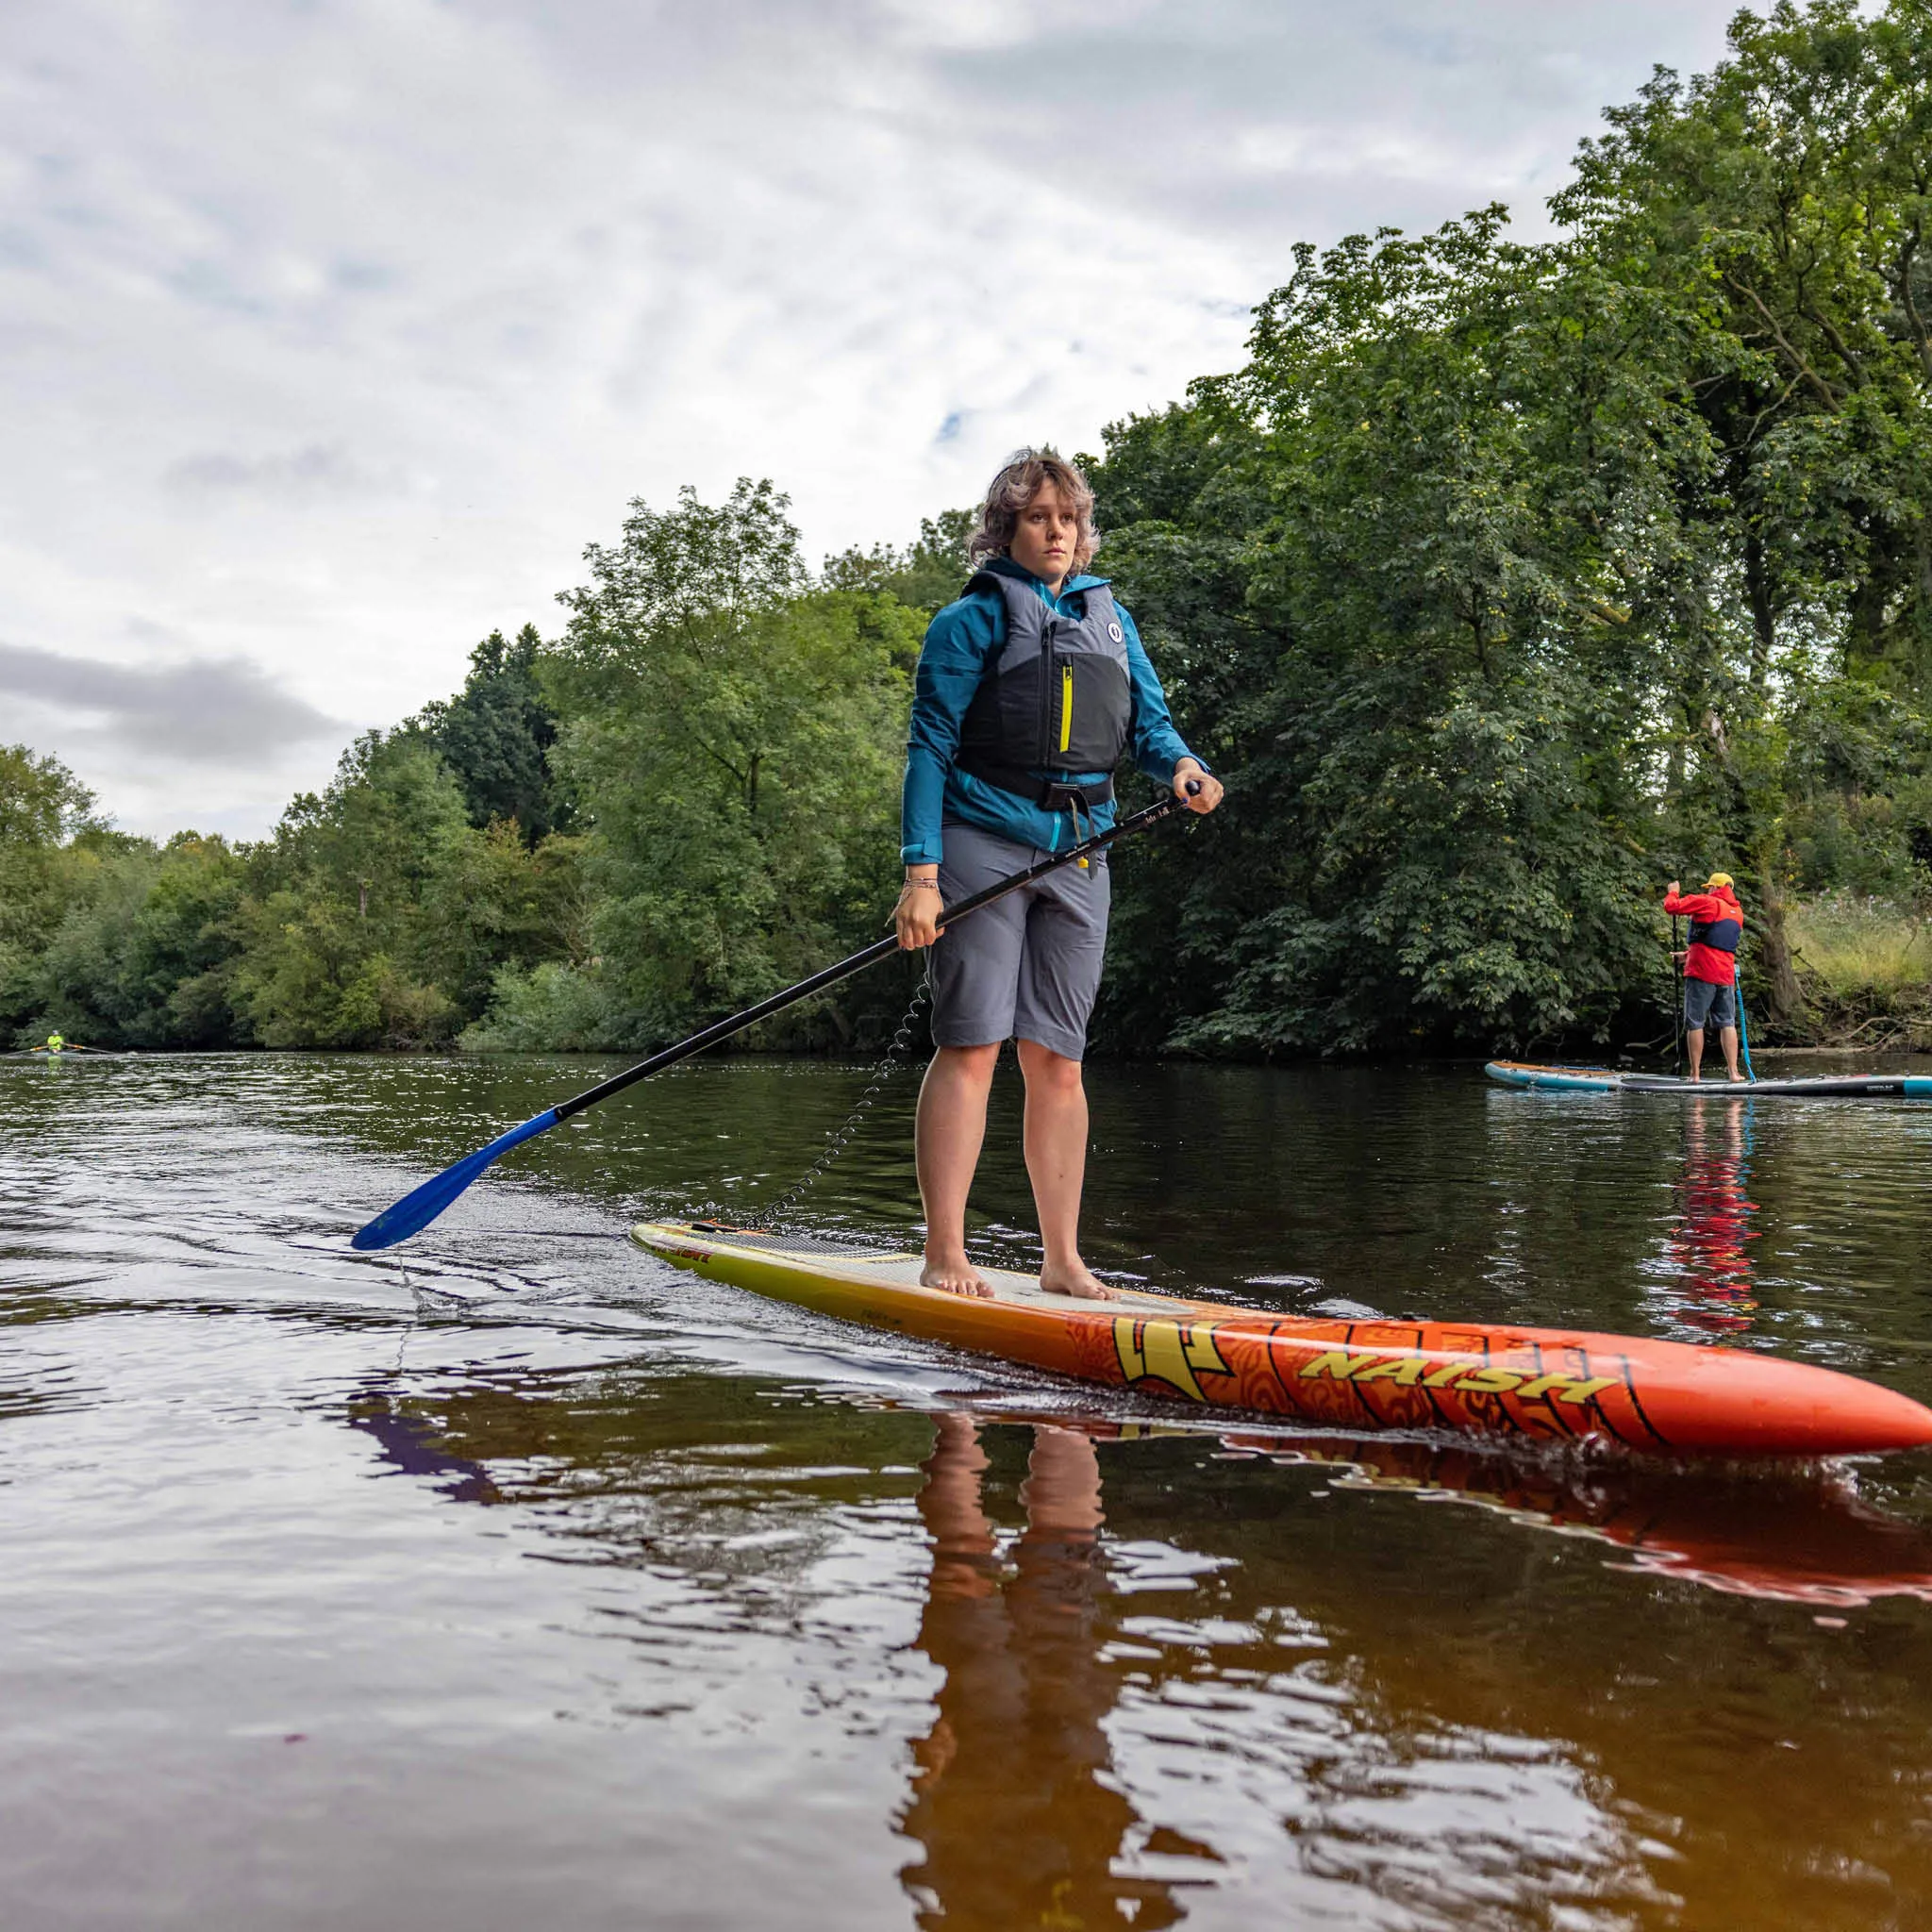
column 1055, row 700
column 1720, row 935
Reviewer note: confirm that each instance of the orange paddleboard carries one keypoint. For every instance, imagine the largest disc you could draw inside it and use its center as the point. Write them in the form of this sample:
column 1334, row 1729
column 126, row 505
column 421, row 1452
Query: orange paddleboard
column 1662, row 1398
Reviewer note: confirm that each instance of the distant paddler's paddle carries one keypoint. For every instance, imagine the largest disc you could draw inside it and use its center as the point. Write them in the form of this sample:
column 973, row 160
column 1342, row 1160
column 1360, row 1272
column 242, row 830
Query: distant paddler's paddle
column 1744, row 1031
column 1677, row 975
column 417, row 1210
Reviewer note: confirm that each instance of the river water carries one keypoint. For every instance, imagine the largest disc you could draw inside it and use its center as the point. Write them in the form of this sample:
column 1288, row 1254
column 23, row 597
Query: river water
column 514, row 1578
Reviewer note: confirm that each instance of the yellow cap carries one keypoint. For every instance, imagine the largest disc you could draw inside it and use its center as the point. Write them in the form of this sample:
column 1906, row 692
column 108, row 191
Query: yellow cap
column 1717, row 879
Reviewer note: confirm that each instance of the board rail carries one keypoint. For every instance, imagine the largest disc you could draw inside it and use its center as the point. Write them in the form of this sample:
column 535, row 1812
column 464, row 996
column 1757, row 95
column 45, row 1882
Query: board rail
column 1531, row 1385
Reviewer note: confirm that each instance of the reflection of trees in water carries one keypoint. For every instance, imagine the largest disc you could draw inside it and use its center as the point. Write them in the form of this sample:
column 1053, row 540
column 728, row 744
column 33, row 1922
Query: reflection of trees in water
column 1712, row 1222
column 1011, row 1797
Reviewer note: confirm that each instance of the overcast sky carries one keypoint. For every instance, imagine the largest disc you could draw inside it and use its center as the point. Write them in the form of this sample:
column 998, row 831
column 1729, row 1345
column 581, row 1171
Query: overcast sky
column 331, row 330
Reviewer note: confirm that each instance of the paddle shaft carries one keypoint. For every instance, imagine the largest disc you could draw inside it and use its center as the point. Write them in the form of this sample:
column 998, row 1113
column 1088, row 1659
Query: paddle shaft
column 857, row 963
column 1677, row 969
column 420, row 1206
column 1744, row 1031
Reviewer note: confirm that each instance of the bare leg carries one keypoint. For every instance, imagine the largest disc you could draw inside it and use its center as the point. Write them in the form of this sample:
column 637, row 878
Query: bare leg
column 946, row 1143
column 1729, row 1037
column 1057, row 1165
column 1694, row 1045
column 1061, row 1492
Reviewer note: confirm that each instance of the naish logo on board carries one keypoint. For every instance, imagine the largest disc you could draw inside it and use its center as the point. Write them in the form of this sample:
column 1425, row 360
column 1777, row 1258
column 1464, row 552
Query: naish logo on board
column 1463, row 1377
column 1170, row 1352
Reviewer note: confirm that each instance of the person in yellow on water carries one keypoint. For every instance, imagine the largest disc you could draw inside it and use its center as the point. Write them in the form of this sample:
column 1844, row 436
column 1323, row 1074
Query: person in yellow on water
column 1031, row 688
column 55, row 1043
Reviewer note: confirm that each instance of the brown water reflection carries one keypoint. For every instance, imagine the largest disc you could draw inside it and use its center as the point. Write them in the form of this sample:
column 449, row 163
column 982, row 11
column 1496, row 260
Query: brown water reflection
column 1179, row 1675
column 1011, row 1798
column 518, row 1581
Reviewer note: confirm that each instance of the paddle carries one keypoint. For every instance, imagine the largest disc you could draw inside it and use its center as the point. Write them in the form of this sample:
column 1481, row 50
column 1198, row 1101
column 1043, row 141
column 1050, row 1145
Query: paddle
column 1677, row 972
column 1743, row 1032
column 416, row 1210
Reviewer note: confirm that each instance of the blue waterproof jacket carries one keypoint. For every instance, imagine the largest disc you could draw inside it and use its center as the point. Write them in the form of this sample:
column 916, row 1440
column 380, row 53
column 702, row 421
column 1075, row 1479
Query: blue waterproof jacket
column 960, row 642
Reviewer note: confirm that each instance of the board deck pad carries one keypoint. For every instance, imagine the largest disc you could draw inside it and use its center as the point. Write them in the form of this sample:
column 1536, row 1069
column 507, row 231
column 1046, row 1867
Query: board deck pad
column 1541, row 1385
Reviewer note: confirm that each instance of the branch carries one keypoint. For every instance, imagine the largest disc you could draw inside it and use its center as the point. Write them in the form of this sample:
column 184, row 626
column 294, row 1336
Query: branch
column 1837, row 343
column 1826, row 394
column 717, row 755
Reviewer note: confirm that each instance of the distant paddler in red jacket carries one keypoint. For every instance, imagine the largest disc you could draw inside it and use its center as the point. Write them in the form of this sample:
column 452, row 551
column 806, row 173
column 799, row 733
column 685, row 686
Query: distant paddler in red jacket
column 1710, row 965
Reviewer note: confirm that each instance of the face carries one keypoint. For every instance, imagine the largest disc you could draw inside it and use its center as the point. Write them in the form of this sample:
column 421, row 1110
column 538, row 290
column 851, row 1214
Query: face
column 1044, row 539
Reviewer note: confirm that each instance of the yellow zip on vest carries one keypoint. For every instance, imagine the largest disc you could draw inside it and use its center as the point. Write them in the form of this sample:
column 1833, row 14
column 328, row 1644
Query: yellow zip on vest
column 1066, row 707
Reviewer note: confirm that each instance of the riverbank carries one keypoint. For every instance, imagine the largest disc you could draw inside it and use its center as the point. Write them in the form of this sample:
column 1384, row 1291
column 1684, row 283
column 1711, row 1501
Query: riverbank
column 1865, row 965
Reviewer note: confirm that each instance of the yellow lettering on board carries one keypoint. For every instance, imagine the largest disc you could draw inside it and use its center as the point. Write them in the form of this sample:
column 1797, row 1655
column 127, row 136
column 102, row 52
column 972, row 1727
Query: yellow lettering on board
column 1171, row 1352
column 1342, row 1363
column 1585, row 1391
column 1541, row 1385
column 1488, row 1382
column 1406, row 1369
column 1441, row 1378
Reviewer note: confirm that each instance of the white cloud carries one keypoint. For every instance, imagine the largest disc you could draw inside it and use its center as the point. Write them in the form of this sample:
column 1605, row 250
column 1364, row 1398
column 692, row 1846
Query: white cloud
column 329, row 335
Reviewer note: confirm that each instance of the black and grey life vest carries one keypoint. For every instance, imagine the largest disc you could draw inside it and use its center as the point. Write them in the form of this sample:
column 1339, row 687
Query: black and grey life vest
column 1055, row 701
column 1720, row 935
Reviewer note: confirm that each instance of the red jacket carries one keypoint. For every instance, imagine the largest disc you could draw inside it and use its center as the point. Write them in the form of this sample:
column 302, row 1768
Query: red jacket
column 1709, row 962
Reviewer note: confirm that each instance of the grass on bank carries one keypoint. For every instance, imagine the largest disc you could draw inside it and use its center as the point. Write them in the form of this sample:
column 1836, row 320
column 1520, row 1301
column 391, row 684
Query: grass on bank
column 1866, row 967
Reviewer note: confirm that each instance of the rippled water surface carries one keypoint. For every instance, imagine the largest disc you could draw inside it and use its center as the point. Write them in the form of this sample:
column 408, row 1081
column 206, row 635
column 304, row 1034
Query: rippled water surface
column 514, row 1579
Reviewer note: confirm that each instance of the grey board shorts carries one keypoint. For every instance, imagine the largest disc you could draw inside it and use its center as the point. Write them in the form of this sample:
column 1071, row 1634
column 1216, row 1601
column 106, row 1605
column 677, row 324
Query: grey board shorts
column 1705, row 1000
column 1027, row 966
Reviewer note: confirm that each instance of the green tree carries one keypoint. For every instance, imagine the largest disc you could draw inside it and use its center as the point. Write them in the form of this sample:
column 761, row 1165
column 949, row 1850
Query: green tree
column 924, row 577
column 1779, row 205
column 334, row 933
column 51, row 849
column 1410, row 527
column 734, row 733
column 495, row 737
column 147, row 956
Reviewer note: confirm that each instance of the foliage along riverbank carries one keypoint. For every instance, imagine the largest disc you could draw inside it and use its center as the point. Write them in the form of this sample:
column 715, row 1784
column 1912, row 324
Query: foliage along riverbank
column 1503, row 582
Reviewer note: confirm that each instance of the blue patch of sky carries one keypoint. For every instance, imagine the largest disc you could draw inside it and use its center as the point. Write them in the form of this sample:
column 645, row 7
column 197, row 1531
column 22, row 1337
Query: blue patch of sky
column 363, row 276
column 18, row 249
column 204, row 282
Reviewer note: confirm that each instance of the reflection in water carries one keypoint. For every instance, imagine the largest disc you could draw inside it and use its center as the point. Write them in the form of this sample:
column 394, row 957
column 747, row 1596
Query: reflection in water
column 1803, row 1538
column 1713, row 1217
column 411, row 1445
column 683, row 1665
column 1010, row 1799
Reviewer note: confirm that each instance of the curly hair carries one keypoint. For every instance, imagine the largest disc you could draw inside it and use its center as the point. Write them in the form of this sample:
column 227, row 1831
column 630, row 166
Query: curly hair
column 1018, row 483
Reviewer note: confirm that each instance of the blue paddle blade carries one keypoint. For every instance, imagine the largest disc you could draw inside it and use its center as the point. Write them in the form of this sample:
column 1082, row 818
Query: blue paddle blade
column 417, row 1210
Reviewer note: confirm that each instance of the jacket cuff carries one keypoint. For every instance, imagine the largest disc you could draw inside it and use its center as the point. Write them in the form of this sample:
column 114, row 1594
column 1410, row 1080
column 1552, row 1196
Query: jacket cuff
column 926, row 852
column 1163, row 775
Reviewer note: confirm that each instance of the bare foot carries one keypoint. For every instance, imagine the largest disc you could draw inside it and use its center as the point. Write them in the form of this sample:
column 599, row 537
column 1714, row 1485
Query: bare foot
column 1078, row 1281
column 955, row 1274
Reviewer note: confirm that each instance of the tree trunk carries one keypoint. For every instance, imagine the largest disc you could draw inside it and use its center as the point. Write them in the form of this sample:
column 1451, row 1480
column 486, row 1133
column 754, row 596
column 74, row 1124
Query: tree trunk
column 1784, row 998
column 1763, row 620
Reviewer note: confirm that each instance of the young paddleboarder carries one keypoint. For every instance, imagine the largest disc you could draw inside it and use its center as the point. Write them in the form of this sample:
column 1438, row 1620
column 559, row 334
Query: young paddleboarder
column 1030, row 689
column 1710, row 965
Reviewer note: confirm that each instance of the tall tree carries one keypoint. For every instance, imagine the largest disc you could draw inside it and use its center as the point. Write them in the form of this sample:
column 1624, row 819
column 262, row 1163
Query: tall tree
column 495, row 736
